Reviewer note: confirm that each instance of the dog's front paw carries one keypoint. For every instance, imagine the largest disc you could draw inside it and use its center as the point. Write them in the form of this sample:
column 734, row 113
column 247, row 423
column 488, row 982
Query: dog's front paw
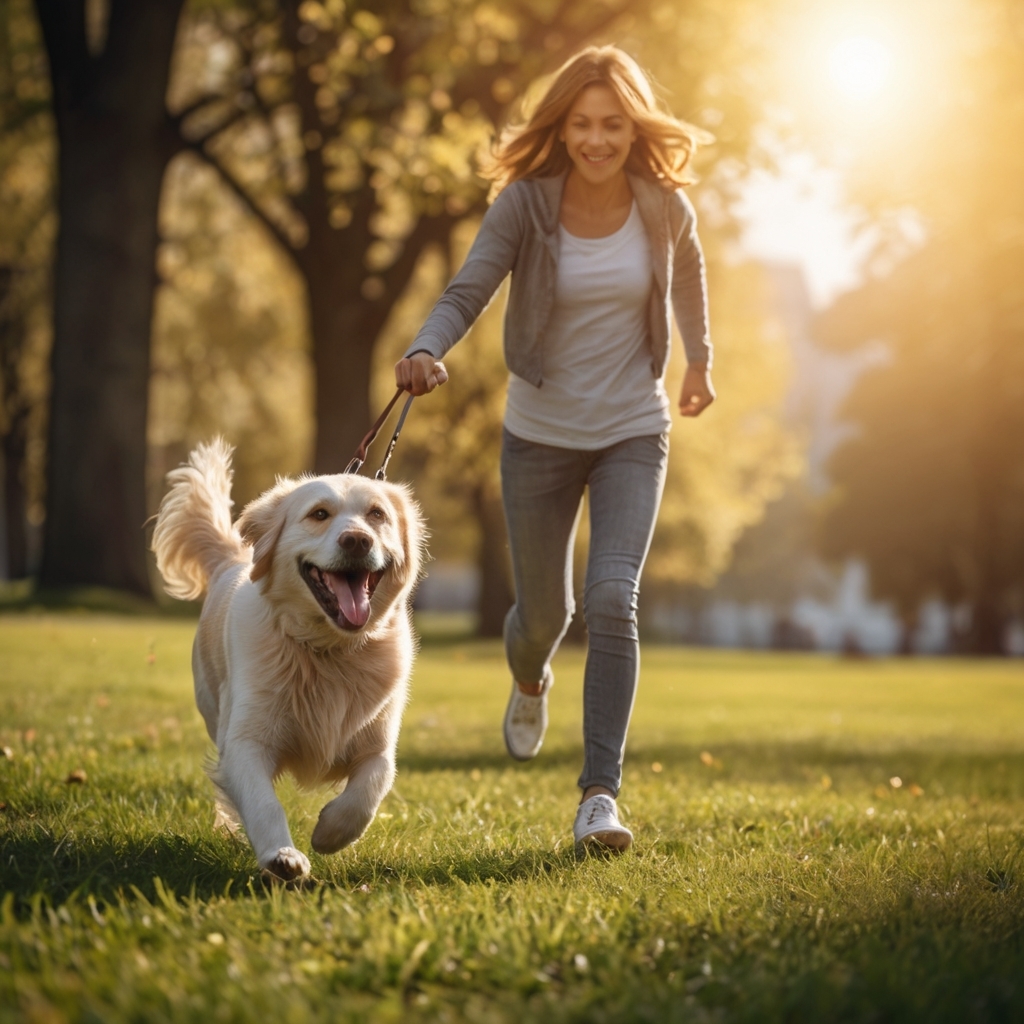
column 287, row 865
column 339, row 825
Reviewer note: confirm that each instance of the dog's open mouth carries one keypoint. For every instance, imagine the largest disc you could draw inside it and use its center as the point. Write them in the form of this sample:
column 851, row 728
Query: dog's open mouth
column 344, row 596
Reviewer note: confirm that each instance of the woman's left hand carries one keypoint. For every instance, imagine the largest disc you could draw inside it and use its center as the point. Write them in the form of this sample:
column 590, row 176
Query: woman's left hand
column 698, row 391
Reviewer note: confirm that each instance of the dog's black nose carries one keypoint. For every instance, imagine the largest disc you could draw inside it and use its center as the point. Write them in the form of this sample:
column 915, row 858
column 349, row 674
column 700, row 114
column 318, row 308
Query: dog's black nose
column 353, row 542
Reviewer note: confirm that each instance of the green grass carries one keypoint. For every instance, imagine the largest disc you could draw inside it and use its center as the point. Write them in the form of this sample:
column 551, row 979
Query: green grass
column 777, row 875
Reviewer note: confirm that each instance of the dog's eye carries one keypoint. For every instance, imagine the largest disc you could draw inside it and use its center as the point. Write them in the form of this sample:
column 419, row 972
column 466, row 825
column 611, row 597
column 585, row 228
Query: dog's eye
column 376, row 513
column 320, row 514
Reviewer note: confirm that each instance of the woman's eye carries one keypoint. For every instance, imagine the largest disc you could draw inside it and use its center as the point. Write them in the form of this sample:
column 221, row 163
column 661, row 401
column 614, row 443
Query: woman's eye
column 320, row 514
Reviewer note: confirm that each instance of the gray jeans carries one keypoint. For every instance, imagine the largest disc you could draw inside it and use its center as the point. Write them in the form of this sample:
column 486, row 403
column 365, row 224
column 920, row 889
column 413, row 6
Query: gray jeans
column 542, row 489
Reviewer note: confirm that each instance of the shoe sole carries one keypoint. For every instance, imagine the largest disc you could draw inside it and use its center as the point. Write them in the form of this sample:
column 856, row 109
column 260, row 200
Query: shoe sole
column 614, row 841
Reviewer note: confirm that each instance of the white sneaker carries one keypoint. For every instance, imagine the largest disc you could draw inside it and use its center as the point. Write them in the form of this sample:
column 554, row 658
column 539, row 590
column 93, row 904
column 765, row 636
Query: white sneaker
column 526, row 721
column 597, row 825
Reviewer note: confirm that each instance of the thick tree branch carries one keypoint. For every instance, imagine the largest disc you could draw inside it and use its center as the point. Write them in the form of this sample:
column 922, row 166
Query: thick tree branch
column 236, row 186
column 427, row 230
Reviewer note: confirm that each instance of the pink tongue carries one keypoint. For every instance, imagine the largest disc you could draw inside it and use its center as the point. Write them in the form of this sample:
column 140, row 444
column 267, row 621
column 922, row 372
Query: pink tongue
column 353, row 601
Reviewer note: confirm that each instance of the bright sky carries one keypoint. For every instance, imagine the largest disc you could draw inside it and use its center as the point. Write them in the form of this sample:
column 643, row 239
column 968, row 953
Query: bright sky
column 799, row 215
column 848, row 72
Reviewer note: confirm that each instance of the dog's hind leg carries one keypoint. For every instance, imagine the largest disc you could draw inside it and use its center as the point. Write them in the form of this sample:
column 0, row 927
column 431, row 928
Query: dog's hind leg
column 247, row 779
column 347, row 816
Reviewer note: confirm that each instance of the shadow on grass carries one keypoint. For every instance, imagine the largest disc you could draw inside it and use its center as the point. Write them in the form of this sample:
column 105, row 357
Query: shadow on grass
column 36, row 862
column 211, row 866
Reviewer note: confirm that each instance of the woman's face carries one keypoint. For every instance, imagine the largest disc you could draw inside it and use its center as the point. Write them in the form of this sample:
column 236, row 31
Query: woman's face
column 597, row 134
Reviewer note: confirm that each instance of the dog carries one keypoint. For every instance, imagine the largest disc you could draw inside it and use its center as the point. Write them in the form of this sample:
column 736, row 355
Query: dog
column 304, row 647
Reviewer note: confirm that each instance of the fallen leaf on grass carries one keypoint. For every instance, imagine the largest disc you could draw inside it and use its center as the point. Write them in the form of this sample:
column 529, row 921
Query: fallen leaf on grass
column 706, row 757
column 915, row 790
column 77, row 777
column 656, row 767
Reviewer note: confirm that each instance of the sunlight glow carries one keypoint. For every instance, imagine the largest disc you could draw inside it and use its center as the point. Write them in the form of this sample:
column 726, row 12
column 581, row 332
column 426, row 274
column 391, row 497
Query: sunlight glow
column 859, row 66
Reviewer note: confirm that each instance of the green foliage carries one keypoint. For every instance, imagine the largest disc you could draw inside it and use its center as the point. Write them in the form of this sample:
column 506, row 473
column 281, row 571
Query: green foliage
column 229, row 339
column 816, row 840
column 931, row 489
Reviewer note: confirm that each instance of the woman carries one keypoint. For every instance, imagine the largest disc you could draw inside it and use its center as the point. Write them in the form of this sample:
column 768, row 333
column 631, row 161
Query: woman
column 602, row 248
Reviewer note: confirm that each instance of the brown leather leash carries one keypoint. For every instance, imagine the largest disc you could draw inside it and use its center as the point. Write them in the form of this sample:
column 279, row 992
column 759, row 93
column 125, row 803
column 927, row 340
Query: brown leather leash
column 359, row 457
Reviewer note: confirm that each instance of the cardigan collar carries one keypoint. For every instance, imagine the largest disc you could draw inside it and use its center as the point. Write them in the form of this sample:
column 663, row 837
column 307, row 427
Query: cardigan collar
column 651, row 200
column 649, row 195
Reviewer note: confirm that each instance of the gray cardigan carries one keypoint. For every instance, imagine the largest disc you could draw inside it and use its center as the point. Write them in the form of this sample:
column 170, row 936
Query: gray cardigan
column 519, row 234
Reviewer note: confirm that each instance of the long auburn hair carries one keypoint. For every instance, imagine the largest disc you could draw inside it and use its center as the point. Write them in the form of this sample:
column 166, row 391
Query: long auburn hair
column 532, row 149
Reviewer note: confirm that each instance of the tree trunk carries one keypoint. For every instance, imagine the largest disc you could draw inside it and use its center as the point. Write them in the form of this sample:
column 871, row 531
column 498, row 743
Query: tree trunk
column 987, row 632
column 15, row 445
column 15, row 439
column 343, row 337
column 114, row 145
column 496, row 595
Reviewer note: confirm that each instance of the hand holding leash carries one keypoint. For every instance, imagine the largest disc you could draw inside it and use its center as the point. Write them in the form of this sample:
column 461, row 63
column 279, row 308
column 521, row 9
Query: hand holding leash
column 420, row 373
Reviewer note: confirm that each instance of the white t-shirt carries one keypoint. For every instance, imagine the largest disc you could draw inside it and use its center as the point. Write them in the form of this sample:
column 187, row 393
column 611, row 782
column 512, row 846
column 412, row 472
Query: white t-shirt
column 599, row 386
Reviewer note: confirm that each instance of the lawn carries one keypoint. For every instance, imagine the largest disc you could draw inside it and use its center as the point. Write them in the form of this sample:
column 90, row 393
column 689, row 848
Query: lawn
column 817, row 839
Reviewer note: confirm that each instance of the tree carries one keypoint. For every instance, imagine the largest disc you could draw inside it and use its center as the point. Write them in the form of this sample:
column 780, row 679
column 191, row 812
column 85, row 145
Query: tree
column 109, row 74
column 931, row 489
column 349, row 130
column 26, row 235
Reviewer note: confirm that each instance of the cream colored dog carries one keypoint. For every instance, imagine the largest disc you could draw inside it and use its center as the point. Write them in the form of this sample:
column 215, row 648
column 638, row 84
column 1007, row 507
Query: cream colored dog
column 304, row 647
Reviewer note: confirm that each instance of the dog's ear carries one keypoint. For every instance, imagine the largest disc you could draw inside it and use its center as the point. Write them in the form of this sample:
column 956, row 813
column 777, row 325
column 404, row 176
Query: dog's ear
column 261, row 524
column 411, row 529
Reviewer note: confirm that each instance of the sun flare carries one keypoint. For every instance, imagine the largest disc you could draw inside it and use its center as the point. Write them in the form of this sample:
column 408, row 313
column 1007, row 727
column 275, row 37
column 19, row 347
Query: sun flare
column 859, row 66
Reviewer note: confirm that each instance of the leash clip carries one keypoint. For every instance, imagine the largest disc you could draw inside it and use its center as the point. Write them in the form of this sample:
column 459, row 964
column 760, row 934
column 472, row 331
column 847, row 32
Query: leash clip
column 359, row 458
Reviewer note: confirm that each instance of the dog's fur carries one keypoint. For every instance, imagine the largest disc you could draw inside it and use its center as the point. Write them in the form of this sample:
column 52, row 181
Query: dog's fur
column 288, row 676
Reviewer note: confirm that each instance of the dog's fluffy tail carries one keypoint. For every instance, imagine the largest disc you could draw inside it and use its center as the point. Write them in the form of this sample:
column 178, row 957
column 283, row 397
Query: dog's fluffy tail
column 193, row 537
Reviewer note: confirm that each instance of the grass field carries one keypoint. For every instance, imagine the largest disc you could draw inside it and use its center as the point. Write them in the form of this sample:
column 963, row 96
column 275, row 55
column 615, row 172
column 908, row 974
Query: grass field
column 816, row 840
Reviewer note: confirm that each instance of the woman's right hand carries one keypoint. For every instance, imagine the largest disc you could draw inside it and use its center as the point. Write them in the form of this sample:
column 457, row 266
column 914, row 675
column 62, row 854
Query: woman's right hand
column 420, row 373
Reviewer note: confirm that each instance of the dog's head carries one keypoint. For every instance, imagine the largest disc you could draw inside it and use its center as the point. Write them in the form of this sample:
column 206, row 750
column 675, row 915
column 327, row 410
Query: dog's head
column 334, row 553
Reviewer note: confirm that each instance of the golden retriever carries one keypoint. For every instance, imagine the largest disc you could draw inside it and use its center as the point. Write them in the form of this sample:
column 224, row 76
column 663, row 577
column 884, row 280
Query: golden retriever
column 304, row 647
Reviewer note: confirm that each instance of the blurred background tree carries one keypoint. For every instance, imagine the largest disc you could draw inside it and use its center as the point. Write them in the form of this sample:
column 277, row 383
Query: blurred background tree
column 26, row 251
column 109, row 62
column 931, row 489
